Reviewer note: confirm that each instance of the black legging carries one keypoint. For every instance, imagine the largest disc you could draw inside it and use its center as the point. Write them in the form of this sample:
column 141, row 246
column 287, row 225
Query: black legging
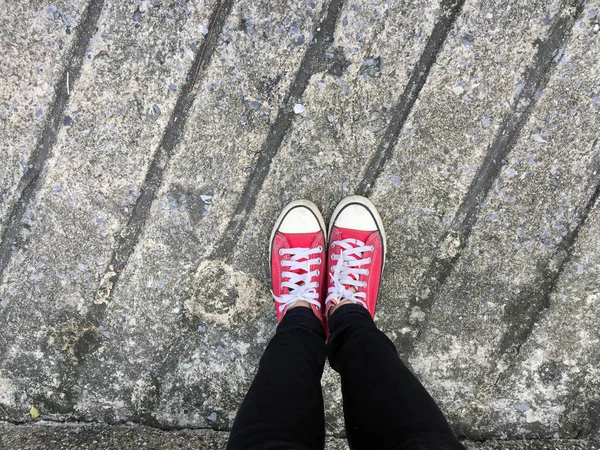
column 385, row 406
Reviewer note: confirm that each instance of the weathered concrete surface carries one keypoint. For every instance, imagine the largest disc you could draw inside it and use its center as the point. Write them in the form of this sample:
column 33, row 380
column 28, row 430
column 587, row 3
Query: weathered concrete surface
column 498, row 291
column 136, row 289
column 119, row 107
column 35, row 39
column 50, row 436
column 201, row 338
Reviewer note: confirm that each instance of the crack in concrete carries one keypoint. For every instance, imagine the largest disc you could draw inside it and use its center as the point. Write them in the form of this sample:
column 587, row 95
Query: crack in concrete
column 50, row 423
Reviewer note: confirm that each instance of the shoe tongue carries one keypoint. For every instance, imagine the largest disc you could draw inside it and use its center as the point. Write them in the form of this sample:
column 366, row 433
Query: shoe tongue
column 347, row 233
column 300, row 240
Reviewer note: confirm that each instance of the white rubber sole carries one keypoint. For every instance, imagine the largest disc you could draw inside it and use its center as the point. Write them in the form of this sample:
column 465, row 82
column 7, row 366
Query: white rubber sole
column 360, row 200
column 296, row 203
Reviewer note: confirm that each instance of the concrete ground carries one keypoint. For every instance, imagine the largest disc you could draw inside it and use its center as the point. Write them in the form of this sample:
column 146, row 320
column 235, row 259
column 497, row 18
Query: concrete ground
column 148, row 146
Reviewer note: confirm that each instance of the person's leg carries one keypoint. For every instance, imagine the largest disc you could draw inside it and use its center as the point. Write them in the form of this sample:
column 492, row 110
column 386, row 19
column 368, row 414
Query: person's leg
column 385, row 406
column 284, row 406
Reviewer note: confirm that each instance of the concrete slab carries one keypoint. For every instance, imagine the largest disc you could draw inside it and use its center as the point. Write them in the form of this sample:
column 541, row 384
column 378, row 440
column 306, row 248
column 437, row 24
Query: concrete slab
column 462, row 111
column 505, row 276
column 167, row 352
column 120, row 105
column 554, row 376
column 134, row 277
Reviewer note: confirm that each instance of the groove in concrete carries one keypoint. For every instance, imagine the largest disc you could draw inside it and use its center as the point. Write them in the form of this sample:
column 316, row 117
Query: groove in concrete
column 462, row 224
column 29, row 183
column 450, row 9
column 313, row 62
column 537, row 303
column 129, row 236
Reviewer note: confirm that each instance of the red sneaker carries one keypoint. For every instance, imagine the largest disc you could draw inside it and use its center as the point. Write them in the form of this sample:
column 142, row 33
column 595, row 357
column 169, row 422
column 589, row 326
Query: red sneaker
column 297, row 254
column 356, row 253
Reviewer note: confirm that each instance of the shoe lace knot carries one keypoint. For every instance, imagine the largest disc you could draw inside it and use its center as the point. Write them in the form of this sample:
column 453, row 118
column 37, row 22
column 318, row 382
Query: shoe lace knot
column 298, row 279
column 347, row 271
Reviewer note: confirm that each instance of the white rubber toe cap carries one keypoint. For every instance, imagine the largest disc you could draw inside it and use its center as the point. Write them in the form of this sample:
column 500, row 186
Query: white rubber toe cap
column 299, row 220
column 356, row 217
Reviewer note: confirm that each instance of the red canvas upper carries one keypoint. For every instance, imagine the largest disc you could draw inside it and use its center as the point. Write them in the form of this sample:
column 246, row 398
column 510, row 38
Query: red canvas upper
column 375, row 266
column 302, row 241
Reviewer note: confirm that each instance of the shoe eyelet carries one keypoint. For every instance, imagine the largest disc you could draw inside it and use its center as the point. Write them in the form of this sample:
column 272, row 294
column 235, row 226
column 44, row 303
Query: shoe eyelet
column 280, row 252
column 318, row 260
column 367, row 272
column 320, row 248
column 372, row 248
column 318, row 273
column 369, row 262
column 333, row 245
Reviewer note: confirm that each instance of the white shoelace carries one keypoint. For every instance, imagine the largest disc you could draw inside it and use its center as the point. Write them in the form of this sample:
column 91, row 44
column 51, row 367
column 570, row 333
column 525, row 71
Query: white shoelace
column 300, row 286
column 347, row 271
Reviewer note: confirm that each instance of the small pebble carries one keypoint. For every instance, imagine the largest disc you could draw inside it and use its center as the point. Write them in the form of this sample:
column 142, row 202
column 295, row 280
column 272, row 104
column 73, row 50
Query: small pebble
column 249, row 27
column 156, row 110
column 68, row 121
column 212, row 417
column 298, row 108
column 172, row 87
